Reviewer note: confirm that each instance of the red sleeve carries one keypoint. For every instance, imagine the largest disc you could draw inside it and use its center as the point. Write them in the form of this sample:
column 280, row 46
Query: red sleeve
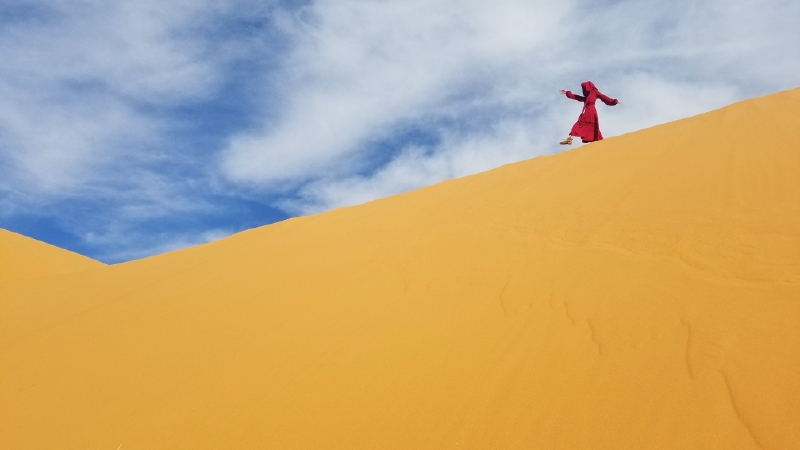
column 607, row 100
column 576, row 97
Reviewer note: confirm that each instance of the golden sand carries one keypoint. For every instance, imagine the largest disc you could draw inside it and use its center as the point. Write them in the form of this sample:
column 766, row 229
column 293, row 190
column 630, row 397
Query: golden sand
column 23, row 258
column 642, row 292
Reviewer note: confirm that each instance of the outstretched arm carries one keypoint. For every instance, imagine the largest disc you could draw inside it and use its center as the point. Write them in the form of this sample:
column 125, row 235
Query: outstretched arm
column 607, row 100
column 572, row 96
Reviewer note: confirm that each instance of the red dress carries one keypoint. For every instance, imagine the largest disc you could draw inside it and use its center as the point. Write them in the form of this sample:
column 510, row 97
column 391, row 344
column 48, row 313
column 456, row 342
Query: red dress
column 588, row 127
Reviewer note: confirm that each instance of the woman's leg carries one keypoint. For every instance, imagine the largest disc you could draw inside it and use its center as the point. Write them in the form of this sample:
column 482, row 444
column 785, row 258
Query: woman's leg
column 567, row 141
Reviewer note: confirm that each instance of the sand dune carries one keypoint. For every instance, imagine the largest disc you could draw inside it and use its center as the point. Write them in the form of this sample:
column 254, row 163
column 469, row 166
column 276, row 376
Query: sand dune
column 640, row 292
column 25, row 258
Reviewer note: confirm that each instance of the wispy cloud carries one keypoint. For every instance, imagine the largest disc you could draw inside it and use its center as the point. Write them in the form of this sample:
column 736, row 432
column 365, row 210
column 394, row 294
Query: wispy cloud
column 76, row 75
column 469, row 73
column 139, row 126
column 104, row 113
column 361, row 69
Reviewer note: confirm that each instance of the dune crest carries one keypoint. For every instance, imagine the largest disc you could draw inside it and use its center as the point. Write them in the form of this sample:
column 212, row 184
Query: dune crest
column 24, row 258
column 639, row 292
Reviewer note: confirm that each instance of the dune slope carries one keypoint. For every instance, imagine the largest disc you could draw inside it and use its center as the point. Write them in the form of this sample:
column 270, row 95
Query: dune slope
column 640, row 292
column 24, row 258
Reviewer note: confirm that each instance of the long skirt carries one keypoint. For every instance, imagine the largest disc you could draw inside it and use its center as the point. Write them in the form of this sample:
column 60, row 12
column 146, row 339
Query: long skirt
column 587, row 127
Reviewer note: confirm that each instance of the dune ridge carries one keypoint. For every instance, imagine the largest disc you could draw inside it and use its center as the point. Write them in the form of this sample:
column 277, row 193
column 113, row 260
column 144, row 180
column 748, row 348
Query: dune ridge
column 639, row 292
column 24, row 258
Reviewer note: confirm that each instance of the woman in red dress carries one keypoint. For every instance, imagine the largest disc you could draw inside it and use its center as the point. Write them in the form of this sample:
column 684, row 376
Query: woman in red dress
column 587, row 127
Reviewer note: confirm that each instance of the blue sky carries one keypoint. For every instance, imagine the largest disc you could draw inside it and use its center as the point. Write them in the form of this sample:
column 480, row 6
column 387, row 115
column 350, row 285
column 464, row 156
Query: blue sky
column 130, row 128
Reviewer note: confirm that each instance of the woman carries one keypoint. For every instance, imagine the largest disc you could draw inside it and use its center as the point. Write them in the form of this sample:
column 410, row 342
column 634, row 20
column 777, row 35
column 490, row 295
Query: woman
column 587, row 127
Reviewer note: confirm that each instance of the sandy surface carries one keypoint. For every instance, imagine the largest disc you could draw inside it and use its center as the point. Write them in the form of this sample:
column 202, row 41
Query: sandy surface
column 23, row 258
column 640, row 292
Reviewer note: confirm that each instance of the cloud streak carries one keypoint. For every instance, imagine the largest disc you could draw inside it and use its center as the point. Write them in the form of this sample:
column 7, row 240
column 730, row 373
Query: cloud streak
column 360, row 69
column 363, row 72
column 83, row 69
column 104, row 107
column 140, row 126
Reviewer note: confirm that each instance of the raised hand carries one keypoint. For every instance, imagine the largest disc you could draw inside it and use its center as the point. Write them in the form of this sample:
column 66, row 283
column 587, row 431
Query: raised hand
column 562, row 91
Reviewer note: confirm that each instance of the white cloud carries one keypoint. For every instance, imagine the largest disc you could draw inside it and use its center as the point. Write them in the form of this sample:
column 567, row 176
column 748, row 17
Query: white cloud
column 90, row 141
column 482, row 76
column 356, row 99
column 56, row 146
column 74, row 74
column 361, row 68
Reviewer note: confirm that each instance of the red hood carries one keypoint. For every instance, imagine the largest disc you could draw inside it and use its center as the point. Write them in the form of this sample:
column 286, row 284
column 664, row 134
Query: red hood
column 587, row 87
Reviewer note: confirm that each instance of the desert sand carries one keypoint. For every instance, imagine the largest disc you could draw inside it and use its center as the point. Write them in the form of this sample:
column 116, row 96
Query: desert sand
column 23, row 258
column 642, row 292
